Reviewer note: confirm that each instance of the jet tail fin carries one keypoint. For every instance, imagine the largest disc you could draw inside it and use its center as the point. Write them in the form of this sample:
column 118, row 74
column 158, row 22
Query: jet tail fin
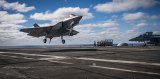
column 36, row 25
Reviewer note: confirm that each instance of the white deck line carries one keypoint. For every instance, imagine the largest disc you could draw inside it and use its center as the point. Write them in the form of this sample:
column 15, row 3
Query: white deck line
column 126, row 70
column 27, row 54
column 120, row 61
column 50, row 58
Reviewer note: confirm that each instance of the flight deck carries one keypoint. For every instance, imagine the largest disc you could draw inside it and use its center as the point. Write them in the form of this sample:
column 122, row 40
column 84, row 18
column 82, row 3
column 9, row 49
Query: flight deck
column 80, row 62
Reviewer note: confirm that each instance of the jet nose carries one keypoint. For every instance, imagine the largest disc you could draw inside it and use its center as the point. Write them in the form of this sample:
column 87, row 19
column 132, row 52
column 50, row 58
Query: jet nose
column 79, row 18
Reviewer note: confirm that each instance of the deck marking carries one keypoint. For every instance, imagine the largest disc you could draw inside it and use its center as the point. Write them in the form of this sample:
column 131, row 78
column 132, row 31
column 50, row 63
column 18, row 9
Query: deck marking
column 27, row 54
column 49, row 58
column 126, row 70
column 59, row 62
column 120, row 61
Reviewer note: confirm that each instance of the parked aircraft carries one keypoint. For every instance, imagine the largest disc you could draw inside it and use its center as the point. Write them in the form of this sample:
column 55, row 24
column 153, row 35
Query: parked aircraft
column 148, row 38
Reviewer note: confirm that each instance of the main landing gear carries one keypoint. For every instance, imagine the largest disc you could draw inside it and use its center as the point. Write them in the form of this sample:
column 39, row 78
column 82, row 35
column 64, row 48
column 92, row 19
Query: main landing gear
column 63, row 41
column 44, row 40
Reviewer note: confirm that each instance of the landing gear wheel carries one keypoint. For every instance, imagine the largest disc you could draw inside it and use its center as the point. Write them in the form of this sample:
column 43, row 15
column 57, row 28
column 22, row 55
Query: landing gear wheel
column 45, row 40
column 63, row 41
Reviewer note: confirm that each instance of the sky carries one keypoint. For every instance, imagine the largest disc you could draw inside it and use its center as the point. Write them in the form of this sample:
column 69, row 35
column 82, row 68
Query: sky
column 119, row 20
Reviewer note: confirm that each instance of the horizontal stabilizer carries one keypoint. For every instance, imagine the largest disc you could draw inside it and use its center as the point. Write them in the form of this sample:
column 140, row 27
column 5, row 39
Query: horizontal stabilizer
column 75, row 32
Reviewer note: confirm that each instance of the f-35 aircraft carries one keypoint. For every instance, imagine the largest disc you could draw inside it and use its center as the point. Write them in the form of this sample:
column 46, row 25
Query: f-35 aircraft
column 63, row 28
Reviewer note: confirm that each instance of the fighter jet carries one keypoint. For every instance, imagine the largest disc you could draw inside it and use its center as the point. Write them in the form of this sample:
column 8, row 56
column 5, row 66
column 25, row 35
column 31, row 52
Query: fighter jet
column 63, row 28
column 148, row 38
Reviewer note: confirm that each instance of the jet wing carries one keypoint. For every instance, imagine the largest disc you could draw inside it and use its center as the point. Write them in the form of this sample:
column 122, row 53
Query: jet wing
column 36, row 32
column 41, row 31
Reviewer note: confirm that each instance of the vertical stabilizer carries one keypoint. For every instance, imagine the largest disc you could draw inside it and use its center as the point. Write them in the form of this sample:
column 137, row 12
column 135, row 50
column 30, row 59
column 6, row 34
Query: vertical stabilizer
column 36, row 25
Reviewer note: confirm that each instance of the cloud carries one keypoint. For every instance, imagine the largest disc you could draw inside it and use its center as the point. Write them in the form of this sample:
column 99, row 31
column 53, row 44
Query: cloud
column 88, row 32
column 134, row 16
column 124, row 5
column 9, row 28
column 62, row 13
column 109, row 30
column 15, row 6
column 11, row 18
column 105, row 24
column 155, row 17
column 139, row 16
column 140, row 20
column 10, row 22
column 89, row 35
column 137, row 27
column 156, row 32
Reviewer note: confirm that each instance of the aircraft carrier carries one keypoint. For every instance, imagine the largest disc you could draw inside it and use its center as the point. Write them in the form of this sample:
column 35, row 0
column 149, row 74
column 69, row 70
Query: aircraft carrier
column 80, row 62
